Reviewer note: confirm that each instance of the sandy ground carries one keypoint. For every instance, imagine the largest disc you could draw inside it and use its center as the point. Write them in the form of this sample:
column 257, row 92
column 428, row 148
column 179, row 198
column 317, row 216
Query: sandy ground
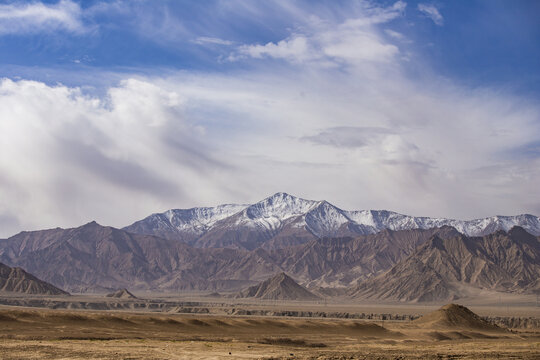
column 132, row 349
column 62, row 334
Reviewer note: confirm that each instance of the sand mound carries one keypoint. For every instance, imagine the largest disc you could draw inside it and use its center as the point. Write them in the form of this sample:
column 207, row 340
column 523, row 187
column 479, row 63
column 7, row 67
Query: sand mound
column 453, row 316
column 122, row 294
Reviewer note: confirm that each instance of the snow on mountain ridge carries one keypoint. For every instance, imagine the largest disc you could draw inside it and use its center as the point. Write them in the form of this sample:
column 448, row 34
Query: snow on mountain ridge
column 280, row 205
column 271, row 212
column 320, row 218
column 325, row 219
column 195, row 220
column 383, row 219
column 206, row 216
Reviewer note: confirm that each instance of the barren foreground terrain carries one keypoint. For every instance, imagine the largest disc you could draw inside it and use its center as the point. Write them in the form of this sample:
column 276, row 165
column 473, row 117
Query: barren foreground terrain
column 54, row 334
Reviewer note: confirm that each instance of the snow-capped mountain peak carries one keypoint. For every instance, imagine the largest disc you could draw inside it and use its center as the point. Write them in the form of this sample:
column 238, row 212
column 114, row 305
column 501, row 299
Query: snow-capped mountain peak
column 314, row 218
column 280, row 205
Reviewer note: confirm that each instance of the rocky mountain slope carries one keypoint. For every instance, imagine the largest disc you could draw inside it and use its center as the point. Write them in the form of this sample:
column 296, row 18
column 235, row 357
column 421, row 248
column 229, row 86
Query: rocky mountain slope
column 406, row 265
column 450, row 268
column 279, row 287
column 283, row 220
column 19, row 281
column 98, row 259
column 342, row 262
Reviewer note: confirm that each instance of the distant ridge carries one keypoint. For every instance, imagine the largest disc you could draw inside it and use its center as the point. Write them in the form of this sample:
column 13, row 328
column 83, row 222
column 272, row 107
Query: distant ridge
column 278, row 287
column 122, row 294
column 407, row 265
column 283, row 220
column 19, row 281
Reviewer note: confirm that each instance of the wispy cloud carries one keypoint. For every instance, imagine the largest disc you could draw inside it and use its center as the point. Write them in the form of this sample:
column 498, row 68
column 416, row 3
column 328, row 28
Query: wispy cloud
column 352, row 41
column 293, row 49
column 23, row 18
column 202, row 40
column 349, row 136
column 394, row 34
column 432, row 12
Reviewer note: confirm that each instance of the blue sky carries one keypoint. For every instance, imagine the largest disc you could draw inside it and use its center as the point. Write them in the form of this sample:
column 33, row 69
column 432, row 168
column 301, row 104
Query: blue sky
column 478, row 42
column 111, row 110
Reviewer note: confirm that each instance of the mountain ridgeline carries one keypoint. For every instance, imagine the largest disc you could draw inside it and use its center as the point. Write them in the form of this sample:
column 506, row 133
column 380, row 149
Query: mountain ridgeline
column 283, row 220
column 364, row 254
column 97, row 258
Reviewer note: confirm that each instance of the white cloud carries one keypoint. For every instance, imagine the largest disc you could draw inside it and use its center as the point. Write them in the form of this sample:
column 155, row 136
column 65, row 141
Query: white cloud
column 294, row 49
column 363, row 135
column 432, row 12
column 360, row 140
column 353, row 42
column 202, row 40
column 21, row 18
column 63, row 150
column 394, row 34
column 379, row 15
column 354, row 45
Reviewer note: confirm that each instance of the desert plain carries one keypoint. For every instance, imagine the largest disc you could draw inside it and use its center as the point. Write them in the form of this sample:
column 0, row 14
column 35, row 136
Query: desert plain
column 198, row 326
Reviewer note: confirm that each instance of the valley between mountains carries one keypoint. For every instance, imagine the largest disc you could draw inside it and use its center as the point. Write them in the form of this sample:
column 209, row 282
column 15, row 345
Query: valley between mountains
column 323, row 250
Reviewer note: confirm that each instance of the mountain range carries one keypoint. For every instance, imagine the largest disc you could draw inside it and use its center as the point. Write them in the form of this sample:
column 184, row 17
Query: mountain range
column 95, row 258
column 364, row 254
column 283, row 220
column 409, row 265
column 99, row 258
